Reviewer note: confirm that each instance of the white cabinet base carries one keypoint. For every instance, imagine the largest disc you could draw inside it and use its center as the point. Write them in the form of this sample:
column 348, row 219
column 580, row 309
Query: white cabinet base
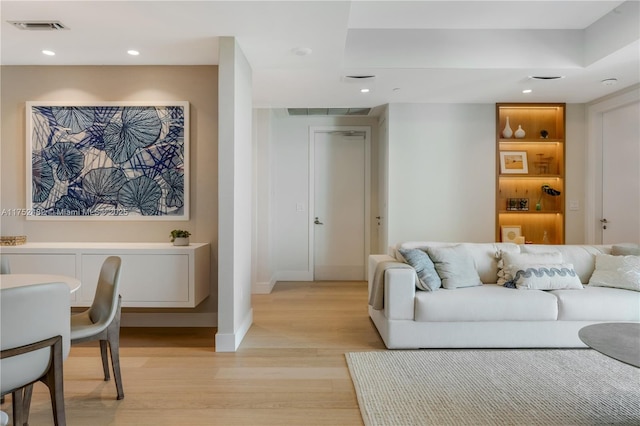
column 153, row 275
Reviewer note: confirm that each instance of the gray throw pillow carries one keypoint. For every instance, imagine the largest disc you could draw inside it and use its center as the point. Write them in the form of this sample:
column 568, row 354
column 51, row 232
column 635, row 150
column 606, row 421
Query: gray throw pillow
column 428, row 278
column 455, row 266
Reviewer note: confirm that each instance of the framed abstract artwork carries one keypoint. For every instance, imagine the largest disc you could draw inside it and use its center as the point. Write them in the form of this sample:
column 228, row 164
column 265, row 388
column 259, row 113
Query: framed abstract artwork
column 108, row 161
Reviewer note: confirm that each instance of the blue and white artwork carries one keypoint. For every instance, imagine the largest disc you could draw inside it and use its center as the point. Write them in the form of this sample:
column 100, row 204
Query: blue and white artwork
column 126, row 161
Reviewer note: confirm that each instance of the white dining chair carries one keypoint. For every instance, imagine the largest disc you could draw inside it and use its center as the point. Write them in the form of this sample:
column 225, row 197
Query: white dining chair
column 102, row 320
column 34, row 325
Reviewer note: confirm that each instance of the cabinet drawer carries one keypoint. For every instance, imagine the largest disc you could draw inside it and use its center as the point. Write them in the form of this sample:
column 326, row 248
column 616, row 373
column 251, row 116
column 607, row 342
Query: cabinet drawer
column 145, row 279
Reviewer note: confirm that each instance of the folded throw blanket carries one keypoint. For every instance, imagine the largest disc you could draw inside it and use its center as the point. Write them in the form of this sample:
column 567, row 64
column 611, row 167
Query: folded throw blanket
column 376, row 298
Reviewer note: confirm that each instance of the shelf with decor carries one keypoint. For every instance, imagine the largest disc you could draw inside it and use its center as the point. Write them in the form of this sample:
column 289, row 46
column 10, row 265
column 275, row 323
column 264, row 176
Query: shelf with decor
column 530, row 175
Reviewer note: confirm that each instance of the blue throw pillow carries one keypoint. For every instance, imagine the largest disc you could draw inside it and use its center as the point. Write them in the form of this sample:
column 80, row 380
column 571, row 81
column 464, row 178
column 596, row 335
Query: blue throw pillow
column 428, row 278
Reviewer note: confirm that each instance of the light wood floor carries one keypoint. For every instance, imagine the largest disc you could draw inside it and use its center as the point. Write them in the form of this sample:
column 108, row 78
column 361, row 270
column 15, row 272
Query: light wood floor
column 290, row 368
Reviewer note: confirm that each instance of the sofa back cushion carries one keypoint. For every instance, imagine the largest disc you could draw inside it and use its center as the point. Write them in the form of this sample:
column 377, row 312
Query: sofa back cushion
column 485, row 255
column 455, row 266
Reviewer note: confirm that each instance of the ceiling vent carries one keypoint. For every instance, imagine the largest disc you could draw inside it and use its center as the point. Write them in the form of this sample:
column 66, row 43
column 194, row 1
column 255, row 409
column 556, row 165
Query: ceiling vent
column 39, row 25
column 328, row 111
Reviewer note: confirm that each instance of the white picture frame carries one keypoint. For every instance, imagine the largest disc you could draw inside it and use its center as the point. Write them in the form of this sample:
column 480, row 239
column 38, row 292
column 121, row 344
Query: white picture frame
column 509, row 233
column 513, row 162
column 107, row 160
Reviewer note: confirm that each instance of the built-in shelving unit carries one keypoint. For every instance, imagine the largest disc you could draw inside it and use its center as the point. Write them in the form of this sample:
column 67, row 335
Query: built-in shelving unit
column 526, row 164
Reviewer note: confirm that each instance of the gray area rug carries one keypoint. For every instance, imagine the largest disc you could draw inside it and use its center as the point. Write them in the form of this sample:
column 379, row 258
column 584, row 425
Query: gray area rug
column 494, row 387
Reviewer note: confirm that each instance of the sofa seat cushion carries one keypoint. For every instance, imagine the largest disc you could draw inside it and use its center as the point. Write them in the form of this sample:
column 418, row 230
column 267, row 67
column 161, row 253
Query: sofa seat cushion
column 489, row 302
column 598, row 304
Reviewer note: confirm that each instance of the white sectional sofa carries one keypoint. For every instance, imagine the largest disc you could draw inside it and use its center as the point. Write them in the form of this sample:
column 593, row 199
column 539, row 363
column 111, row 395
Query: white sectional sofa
column 485, row 314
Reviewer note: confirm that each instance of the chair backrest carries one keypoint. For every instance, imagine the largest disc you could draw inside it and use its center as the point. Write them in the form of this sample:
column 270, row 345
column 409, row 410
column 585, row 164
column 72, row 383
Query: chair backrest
column 105, row 302
column 31, row 314
column 5, row 267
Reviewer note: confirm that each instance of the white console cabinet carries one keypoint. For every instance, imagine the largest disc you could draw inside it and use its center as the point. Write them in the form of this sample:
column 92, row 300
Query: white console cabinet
column 153, row 275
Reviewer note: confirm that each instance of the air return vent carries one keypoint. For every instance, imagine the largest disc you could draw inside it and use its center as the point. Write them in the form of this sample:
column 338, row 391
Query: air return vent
column 39, row 25
column 328, row 111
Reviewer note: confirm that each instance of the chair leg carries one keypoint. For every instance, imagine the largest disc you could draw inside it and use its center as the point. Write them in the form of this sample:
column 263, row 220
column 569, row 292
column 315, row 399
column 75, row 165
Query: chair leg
column 53, row 380
column 105, row 360
column 26, row 403
column 17, row 406
column 113, row 336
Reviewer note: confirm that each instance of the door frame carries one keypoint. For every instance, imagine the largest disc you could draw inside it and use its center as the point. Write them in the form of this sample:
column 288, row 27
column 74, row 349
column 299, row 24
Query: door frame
column 367, row 189
column 593, row 196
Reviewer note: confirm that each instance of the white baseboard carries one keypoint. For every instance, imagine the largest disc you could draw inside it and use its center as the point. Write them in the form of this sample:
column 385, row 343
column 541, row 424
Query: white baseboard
column 137, row 319
column 294, row 276
column 229, row 342
column 264, row 287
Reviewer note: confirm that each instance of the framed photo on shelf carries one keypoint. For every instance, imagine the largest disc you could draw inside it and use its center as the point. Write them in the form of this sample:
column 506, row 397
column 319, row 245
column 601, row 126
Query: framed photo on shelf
column 514, row 162
column 517, row 204
column 510, row 233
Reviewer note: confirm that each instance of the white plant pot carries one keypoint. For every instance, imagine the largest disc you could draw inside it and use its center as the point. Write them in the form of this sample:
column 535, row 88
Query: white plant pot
column 182, row 241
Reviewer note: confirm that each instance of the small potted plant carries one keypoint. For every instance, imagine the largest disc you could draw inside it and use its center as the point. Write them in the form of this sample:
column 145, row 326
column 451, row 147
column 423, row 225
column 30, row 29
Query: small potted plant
column 180, row 237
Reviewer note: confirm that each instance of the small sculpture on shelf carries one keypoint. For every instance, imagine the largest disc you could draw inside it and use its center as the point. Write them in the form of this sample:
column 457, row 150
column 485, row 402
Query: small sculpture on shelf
column 544, row 134
column 546, row 189
column 507, row 132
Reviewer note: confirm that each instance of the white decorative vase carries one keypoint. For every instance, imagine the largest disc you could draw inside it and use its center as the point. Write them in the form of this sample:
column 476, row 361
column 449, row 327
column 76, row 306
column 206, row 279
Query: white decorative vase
column 519, row 133
column 507, row 132
column 182, row 241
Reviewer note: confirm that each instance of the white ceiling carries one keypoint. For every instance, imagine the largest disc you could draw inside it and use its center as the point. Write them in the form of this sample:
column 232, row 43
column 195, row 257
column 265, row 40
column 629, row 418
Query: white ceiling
column 419, row 51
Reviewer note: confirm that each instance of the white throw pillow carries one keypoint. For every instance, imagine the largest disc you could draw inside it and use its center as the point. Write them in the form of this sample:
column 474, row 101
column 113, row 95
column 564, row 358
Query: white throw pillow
column 525, row 259
column 548, row 276
column 617, row 272
column 455, row 266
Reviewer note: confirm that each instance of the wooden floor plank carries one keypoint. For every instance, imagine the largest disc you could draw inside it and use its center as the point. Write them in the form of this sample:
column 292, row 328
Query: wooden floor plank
column 289, row 370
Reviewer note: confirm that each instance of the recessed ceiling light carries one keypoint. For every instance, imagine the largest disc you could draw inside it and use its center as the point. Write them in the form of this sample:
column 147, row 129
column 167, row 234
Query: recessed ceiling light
column 48, row 52
column 365, row 90
column 527, row 91
column 609, row 81
column 133, row 52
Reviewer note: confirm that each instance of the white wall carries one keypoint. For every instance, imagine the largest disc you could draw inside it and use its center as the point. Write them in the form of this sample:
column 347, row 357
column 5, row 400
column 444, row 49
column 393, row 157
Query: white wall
column 235, row 191
column 441, row 172
column 264, row 274
column 289, row 165
column 575, row 163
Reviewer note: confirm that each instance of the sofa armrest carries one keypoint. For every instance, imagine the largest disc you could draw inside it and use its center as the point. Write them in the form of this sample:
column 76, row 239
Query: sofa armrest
column 399, row 287
column 374, row 260
column 399, row 294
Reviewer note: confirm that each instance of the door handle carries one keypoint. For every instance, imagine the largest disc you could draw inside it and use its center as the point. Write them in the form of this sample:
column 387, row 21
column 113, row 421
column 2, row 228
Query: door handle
column 317, row 222
column 604, row 222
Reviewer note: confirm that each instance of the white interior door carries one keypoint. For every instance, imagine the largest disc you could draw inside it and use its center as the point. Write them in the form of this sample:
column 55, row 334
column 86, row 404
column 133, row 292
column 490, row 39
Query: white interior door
column 621, row 175
column 339, row 206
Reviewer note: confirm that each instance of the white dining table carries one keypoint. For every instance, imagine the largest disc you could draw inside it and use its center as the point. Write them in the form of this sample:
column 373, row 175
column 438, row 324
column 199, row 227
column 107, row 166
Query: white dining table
column 21, row 280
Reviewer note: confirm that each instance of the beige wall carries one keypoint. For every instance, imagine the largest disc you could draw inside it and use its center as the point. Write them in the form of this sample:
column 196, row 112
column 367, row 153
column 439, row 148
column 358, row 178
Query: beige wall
column 196, row 84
